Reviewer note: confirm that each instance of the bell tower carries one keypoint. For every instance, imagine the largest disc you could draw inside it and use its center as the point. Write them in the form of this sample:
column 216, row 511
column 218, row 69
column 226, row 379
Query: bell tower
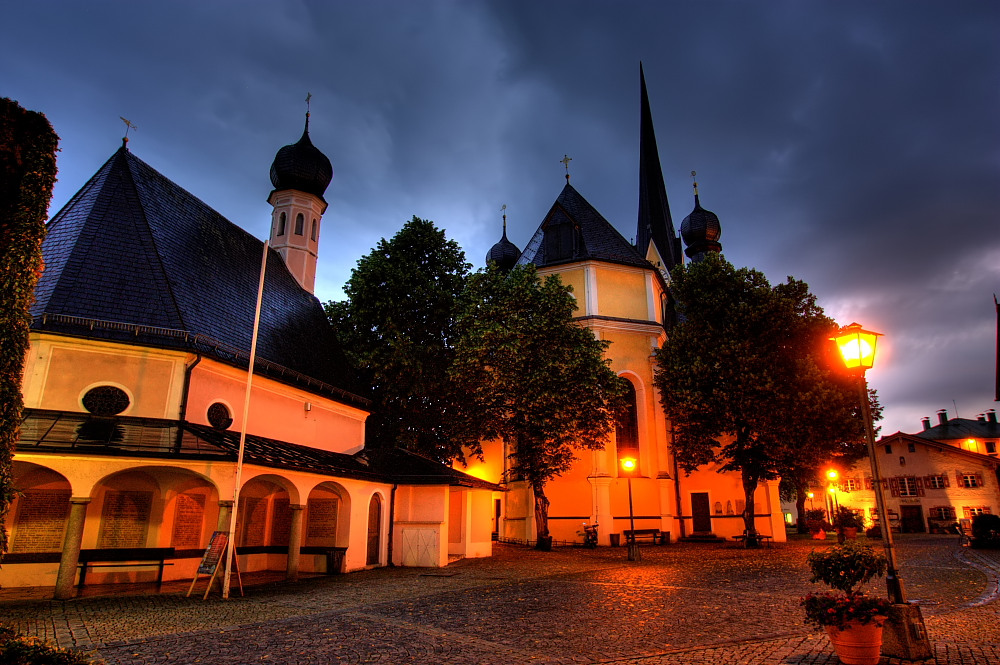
column 300, row 175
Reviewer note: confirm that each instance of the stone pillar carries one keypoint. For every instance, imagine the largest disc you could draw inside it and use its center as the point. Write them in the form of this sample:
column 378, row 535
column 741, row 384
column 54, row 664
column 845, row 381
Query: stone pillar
column 71, row 547
column 294, row 543
column 225, row 511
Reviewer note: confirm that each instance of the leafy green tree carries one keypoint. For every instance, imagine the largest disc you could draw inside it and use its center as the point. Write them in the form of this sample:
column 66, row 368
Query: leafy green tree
column 743, row 378
column 27, row 173
column 536, row 378
column 397, row 329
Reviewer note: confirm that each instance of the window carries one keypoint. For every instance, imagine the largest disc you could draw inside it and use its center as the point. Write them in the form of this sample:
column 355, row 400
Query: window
column 219, row 416
column 911, row 447
column 314, row 229
column 942, row 513
column 300, row 223
column 888, row 449
column 627, row 429
column 852, row 484
column 991, row 447
column 936, row 482
column 281, row 225
column 105, row 400
column 972, row 511
column 908, row 486
column 971, row 480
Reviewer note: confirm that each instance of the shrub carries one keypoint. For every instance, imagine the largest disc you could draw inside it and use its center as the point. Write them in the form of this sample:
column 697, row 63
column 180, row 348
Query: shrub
column 846, row 567
column 848, row 519
column 829, row 609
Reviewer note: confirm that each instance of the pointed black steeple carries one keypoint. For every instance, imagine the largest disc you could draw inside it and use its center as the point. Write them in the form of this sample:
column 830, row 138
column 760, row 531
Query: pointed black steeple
column 655, row 224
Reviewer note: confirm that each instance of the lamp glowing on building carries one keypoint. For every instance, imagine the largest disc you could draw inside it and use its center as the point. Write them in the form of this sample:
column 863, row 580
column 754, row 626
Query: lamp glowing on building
column 629, row 467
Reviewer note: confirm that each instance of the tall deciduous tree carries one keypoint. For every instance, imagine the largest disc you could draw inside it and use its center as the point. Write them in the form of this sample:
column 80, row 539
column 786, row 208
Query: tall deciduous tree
column 743, row 377
column 27, row 173
column 536, row 378
column 396, row 327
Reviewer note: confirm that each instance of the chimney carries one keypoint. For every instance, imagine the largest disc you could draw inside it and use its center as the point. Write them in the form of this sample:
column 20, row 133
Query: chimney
column 926, row 422
column 942, row 417
column 981, row 418
column 991, row 416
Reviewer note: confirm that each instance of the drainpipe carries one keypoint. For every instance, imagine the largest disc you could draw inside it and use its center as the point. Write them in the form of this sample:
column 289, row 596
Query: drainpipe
column 185, row 391
column 392, row 524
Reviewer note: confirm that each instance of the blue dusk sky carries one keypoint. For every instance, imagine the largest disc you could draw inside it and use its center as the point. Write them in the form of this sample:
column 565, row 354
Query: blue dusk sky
column 853, row 145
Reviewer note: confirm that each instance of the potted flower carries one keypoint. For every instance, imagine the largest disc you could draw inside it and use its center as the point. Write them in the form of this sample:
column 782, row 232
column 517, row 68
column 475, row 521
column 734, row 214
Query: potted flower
column 847, row 523
column 852, row 619
column 816, row 523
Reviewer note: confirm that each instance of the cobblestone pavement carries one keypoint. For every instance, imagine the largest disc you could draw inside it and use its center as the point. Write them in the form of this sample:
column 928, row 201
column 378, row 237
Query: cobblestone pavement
column 688, row 603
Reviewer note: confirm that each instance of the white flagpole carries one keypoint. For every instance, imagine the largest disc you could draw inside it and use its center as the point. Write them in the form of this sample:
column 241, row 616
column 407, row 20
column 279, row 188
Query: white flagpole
column 231, row 544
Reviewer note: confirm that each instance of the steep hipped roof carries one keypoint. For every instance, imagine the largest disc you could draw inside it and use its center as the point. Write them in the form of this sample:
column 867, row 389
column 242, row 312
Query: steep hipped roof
column 962, row 428
column 134, row 248
column 587, row 236
column 655, row 223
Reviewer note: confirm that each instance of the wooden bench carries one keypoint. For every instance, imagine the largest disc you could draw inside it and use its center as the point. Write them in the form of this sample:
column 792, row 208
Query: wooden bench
column 655, row 535
column 125, row 557
column 762, row 539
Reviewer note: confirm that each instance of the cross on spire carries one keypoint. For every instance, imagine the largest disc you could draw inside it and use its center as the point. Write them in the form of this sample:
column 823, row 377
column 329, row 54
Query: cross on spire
column 565, row 162
column 128, row 126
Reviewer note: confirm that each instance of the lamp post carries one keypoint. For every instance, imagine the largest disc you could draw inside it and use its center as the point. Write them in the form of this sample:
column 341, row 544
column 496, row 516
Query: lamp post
column 857, row 349
column 629, row 466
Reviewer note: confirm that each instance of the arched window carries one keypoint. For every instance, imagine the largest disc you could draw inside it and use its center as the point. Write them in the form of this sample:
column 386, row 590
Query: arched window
column 281, row 225
column 300, row 223
column 314, row 230
column 627, row 430
column 374, row 530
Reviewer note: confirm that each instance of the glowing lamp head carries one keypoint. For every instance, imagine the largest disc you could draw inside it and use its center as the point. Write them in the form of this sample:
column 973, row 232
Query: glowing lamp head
column 857, row 346
column 832, row 474
column 810, row 495
column 629, row 464
column 832, row 490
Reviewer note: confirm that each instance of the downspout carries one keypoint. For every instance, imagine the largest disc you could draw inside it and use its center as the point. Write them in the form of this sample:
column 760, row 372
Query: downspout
column 392, row 524
column 185, row 391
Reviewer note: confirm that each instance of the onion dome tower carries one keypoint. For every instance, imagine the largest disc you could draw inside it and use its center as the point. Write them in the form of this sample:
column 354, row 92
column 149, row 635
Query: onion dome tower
column 700, row 230
column 505, row 253
column 300, row 175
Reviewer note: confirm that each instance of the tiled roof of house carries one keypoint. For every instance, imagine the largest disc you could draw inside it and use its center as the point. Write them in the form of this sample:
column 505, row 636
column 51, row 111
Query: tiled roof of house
column 132, row 247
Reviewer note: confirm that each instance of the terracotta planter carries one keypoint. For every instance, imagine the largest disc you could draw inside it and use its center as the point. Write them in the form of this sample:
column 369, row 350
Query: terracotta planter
column 858, row 644
column 851, row 532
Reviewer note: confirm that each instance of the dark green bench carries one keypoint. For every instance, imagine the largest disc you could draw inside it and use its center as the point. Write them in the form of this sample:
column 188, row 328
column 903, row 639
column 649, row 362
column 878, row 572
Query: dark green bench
column 125, row 557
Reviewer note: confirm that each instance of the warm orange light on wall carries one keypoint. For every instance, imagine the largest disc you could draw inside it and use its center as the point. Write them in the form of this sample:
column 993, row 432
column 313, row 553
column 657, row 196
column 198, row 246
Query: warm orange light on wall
column 857, row 346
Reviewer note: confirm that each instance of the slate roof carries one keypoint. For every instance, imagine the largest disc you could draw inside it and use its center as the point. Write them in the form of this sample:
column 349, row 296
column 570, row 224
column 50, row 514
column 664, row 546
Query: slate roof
column 61, row 432
column 134, row 248
column 596, row 237
column 962, row 428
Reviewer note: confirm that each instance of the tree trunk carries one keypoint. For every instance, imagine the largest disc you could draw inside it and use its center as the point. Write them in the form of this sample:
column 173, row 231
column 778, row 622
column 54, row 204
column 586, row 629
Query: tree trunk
column 800, row 508
column 544, row 540
column 749, row 487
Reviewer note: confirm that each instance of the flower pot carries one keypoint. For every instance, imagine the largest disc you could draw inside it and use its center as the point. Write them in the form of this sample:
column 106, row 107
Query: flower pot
column 851, row 532
column 857, row 643
column 819, row 534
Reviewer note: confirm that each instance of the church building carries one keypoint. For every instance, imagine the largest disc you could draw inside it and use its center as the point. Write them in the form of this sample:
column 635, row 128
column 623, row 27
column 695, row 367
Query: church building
column 134, row 388
column 623, row 295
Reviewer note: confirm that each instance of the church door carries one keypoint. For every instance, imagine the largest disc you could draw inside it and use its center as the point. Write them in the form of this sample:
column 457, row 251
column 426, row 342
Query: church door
column 374, row 530
column 701, row 512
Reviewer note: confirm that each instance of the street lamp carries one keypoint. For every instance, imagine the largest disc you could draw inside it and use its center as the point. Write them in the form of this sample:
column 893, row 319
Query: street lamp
column 832, row 476
column 810, row 496
column 857, row 349
column 629, row 466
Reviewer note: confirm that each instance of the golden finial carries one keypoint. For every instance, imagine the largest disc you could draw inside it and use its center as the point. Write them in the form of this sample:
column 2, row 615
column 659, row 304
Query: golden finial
column 694, row 182
column 565, row 162
column 503, row 209
column 128, row 126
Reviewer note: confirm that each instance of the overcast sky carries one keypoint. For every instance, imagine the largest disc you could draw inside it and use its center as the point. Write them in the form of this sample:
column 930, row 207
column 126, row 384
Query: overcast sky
column 853, row 145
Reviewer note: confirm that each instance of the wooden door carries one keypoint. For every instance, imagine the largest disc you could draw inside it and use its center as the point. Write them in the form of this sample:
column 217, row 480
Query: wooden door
column 911, row 519
column 374, row 530
column 701, row 512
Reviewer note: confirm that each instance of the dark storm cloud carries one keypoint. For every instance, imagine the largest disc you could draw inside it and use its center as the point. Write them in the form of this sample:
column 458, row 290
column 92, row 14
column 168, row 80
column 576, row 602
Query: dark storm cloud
column 852, row 145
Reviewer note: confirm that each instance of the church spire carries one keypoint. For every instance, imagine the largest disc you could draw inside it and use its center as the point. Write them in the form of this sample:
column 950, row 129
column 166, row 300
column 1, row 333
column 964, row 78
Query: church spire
column 655, row 224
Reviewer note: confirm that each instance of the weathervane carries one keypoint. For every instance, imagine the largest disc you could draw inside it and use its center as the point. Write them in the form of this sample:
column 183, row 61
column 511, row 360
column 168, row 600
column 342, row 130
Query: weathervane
column 503, row 209
column 128, row 126
column 565, row 162
column 309, row 97
column 694, row 182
